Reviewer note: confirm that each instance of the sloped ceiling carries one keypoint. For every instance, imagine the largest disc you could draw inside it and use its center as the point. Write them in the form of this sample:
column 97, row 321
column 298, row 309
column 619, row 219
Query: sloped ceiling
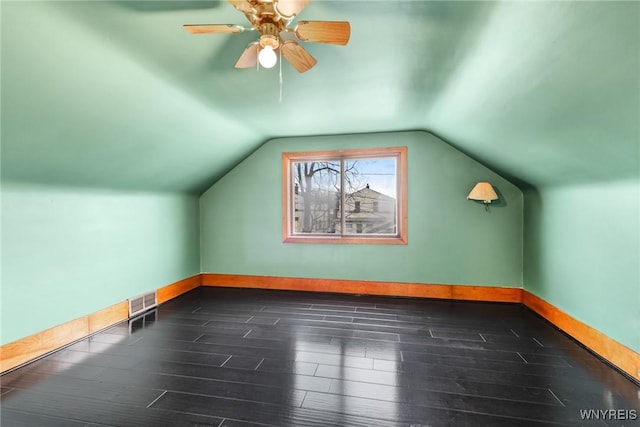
column 116, row 94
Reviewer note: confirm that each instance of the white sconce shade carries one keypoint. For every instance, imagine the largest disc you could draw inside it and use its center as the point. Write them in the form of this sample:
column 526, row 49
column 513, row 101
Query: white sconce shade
column 484, row 192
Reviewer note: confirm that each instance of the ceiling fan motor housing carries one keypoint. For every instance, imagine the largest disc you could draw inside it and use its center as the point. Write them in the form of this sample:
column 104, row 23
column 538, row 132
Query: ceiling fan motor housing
column 269, row 35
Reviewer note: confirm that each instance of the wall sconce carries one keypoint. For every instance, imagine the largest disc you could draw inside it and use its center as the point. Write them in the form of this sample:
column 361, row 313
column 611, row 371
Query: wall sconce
column 483, row 191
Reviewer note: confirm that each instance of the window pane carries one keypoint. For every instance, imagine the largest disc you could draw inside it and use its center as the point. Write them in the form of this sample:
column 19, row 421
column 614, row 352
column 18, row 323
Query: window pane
column 370, row 196
column 351, row 196
column 316, row 197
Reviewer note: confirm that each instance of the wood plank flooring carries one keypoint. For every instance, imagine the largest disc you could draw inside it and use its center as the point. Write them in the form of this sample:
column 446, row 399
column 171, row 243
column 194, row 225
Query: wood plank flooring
column 231, row 357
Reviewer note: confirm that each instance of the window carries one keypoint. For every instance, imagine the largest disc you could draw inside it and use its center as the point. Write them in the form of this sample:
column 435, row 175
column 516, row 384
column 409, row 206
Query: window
column 346, row 196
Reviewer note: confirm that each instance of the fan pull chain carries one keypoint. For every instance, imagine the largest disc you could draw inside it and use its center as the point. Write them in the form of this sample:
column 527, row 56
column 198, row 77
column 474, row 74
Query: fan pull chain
column 280, row 52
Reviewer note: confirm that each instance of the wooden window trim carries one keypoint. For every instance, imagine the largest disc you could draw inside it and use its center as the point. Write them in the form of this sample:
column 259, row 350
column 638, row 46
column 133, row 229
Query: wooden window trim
column 401, row 238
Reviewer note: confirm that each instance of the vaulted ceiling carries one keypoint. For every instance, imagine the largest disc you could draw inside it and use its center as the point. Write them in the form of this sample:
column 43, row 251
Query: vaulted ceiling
column 116, row 94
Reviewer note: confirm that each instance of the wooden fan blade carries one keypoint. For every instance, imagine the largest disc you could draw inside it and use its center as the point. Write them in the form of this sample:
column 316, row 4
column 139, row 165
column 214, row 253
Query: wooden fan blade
column 242, row 5
column 290, row 8
column 249, row 57
column 297, row 56
column 332, row 32
column 213, row 28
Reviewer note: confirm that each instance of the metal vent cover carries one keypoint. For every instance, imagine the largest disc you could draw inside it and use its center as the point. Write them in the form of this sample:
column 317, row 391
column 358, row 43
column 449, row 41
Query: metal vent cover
column 142, row 303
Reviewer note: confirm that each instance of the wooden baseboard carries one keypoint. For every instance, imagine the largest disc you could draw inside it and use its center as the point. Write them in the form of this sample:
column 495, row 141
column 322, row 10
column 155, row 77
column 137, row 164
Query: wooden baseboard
column 176, row 289
column 615, row 353
column 26, row 349
column 399, row 289
column 108, row 317
column 19, row 352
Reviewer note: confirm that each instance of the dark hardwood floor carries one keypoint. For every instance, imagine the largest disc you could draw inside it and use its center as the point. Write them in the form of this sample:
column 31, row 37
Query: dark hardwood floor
column 226, row 357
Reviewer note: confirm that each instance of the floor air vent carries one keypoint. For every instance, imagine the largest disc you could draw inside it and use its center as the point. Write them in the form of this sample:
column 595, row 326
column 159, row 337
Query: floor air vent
column 142, row 303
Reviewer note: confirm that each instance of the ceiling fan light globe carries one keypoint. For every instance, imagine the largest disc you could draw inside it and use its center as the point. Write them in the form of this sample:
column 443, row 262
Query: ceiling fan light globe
column 267, row 57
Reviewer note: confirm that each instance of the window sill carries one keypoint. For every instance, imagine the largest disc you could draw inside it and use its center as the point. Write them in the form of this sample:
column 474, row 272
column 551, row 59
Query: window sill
column 373, row 240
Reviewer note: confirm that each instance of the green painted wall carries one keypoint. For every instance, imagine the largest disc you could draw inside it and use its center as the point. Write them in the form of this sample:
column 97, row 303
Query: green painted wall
column 80, row 109
column 582, row 254
column 68, row 252
column 451, row 239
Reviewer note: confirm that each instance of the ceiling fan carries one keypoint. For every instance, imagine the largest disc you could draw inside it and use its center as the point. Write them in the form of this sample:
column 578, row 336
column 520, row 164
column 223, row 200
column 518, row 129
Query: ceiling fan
column 271, row 19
